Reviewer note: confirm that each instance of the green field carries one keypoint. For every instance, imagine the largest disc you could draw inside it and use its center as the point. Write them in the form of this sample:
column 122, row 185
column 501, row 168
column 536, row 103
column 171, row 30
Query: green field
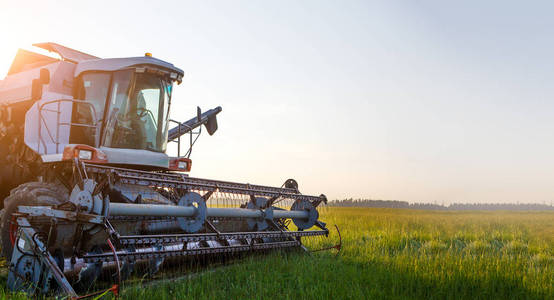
column 391, row 253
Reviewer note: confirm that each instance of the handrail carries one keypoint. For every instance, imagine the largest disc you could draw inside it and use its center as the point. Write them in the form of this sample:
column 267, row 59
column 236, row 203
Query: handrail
column 189, row 130
column 58, row 123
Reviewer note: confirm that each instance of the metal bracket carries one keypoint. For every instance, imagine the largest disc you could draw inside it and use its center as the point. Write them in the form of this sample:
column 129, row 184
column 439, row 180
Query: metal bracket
column 26, row 242
column 212, row 227
column 47, row 211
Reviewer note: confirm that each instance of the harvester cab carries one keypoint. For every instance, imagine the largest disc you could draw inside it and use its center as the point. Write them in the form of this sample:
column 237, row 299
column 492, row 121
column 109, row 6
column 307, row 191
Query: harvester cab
column 119, row 106
column 89, row 190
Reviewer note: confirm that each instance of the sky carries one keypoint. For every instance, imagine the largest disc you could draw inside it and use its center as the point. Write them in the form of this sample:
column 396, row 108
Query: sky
column 420, row 101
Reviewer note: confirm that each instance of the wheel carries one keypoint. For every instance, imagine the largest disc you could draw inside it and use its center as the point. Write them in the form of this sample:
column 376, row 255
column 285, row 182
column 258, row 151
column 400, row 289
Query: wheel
column 32, row 194
column 11, row 176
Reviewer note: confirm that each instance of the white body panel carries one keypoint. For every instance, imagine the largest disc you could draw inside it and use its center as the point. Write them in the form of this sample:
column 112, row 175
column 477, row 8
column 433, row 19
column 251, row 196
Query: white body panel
column 18, row 87
column 114, row 64
column 136, row 157
column 47, row 131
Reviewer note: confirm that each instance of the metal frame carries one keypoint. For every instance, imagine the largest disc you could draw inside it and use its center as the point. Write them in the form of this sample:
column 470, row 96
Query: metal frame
column 151, row 246
column 48, row 265
column 197, row 237
column 190, row 131
column 42, row 120
column 179, row 181
column 176, row 243
column 109, row 257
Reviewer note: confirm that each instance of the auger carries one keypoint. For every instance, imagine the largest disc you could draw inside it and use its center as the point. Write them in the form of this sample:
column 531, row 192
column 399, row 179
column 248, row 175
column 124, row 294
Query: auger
column 90, row 194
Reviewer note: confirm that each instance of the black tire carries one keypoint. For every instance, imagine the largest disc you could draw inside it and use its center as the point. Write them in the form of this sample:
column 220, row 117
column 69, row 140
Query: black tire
column 32, row 194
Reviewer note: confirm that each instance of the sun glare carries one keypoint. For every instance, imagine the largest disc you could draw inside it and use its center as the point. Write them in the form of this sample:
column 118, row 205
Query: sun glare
column 9, row 48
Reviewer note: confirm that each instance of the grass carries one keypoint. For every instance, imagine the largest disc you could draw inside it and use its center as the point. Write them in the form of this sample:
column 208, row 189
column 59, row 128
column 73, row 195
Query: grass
column 394, row 254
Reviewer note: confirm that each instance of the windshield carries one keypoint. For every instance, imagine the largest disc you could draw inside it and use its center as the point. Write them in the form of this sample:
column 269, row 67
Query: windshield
column 137, row 111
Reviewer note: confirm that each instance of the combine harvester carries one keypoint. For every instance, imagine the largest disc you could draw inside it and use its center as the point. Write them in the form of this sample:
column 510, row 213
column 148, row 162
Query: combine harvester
column 91, row 197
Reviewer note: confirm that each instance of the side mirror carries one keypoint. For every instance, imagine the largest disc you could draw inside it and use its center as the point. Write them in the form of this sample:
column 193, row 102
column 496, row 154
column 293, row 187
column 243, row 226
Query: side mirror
column 211, row 125
column 36, row 87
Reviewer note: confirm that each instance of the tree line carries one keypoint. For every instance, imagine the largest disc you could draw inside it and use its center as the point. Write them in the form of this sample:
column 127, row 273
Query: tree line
column 454, row 206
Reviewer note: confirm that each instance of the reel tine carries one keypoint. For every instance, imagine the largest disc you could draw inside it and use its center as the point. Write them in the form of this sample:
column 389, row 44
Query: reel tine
column 337, row 247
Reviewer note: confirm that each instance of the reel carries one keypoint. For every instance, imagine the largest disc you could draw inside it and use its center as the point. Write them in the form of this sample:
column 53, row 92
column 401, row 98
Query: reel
column 195, row 223
column 262, row 223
